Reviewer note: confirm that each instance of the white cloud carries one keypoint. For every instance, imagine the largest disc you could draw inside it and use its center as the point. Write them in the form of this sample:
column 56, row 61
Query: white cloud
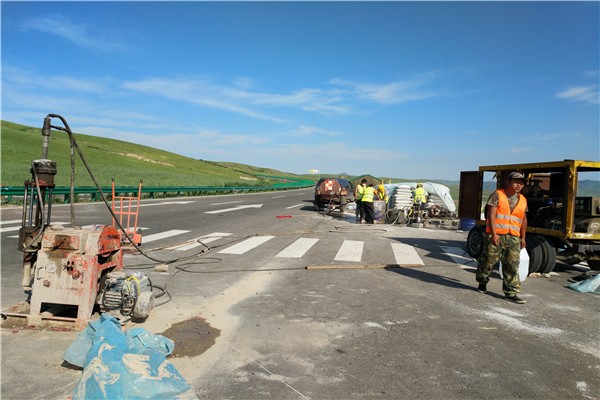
column 27, row 79
column 197, row 91
column 391, row 92
column 76, row 33
column 584, row 94
column 304, row 131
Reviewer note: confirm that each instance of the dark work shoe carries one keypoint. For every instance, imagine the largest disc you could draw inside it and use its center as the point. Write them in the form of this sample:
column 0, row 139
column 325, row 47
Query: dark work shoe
column 515, row 299
column 482, row 288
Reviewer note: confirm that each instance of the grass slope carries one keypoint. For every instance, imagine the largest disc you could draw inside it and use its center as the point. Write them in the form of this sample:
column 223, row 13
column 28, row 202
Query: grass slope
column 126, row 162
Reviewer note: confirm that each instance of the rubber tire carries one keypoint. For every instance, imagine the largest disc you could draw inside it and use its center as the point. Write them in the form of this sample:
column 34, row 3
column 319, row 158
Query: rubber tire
column 317, row 204
column 476, row 241
column 549, row 259
column 536, row 253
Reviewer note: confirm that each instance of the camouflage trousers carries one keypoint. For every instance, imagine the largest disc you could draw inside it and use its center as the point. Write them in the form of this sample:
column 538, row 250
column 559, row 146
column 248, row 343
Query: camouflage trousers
column 509, row 252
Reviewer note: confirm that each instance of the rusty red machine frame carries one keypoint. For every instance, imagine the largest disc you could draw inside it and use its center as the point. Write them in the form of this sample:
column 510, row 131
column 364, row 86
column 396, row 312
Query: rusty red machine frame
column 71, row 265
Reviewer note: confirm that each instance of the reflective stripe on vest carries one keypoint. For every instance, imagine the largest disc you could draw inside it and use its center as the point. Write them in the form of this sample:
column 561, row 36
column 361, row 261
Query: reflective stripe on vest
column 507, row 222
column 368, row 195
column 360, row 192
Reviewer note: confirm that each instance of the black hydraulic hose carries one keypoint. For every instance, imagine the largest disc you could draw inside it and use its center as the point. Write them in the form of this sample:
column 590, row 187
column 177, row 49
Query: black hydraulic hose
column 75, row 146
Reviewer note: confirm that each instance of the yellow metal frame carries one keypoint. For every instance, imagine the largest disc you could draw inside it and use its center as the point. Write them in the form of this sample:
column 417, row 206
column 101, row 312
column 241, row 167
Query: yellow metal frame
column 573, row 167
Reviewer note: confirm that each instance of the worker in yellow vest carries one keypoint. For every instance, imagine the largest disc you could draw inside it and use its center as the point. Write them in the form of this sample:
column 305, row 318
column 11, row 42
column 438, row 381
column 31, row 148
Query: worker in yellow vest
column 504, row 237
column 382, row 194
column 367, row 200
column 358, row 195
column 419, row 195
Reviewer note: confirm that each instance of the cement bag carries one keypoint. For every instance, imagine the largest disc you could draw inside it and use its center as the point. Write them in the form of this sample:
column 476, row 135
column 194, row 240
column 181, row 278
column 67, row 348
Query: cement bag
column 114, row 370
column 523, row 266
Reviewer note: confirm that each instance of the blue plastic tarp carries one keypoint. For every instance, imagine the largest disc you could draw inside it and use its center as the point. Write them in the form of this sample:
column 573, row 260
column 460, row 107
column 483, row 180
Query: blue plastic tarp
column 124, row 365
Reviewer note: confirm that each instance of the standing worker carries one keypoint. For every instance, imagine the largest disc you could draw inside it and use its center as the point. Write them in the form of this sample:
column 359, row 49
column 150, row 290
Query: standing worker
column 358, row 195
column 504, row 237
column 367, row 200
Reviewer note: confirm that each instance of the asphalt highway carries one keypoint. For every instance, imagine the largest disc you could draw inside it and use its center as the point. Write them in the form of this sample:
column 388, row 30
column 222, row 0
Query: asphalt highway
column 300, row 305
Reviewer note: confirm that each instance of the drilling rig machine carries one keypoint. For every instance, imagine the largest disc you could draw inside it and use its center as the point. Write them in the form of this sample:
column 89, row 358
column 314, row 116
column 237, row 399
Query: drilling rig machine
column 71, row 266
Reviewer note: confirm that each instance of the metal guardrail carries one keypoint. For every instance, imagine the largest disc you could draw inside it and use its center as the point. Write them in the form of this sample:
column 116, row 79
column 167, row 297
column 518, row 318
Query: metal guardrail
column 7, row 192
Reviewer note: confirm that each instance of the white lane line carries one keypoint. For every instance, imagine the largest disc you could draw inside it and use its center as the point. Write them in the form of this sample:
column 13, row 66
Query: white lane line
column 13, row 221
column 297, row 205
column 406, row 255
column 163, row 204
column 116, row 227
column 227, row 202
column 298, row 248
column 460, row 256
column 162, row 235
column 277, row 197
column 10, row 229
column 246, row 245
column 350, row 250
column 234, row 208
column 204, row 239
column 16, row 228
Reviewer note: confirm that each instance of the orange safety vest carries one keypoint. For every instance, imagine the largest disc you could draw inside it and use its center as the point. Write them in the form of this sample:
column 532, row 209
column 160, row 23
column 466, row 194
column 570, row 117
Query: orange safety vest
column 507, row 222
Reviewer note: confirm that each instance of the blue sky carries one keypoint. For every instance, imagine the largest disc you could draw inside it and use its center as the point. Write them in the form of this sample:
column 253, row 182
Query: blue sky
column 401, row 89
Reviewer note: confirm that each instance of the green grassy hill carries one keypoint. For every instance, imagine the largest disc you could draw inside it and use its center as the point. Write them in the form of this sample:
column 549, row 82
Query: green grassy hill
column 126, row 162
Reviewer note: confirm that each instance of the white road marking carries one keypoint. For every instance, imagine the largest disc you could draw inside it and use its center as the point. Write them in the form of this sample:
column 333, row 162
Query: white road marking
column 246, row 245
column 460, row 256
column 277, row 197
column 164, row 203
column 204, row 239
column 234, row 208
column 14, row 221
column 298, row 248
column 162, row 235
column 16, row 228
column 227, row 202
column 297, row 205
column 406, row 255
column 116, row 227
column 350, row 250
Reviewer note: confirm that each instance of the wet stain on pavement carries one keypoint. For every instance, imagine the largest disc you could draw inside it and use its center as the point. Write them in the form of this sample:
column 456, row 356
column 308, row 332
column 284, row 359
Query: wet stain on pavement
column 192, row 337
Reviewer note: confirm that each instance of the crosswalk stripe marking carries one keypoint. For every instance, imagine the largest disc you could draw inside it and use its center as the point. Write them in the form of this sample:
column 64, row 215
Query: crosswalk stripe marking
column 162, row 235
column 246, row 245
column 406, row 255
column 297, row 205
column 460, row 256
column 298, row 248
column 204, row 239
column 16, row 228
column 13, row 221
column 350, row 250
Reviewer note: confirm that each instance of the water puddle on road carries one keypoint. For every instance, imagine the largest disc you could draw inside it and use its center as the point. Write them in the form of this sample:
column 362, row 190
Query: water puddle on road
column 192, row 337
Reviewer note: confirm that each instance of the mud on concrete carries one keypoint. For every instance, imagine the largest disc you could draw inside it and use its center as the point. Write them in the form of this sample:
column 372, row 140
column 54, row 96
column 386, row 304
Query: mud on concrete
column 192, row 337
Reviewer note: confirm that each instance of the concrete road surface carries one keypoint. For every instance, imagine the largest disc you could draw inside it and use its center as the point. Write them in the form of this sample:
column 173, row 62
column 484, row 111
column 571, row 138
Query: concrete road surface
column 266, row 327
